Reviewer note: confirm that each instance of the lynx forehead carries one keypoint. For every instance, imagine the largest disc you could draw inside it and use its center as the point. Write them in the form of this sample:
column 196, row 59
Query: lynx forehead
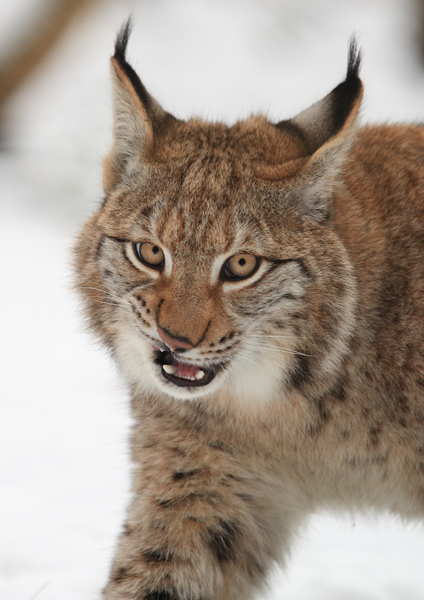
column 260, row 286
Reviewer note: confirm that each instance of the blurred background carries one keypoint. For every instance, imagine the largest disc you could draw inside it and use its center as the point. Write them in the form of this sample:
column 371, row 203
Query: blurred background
column 64, row 418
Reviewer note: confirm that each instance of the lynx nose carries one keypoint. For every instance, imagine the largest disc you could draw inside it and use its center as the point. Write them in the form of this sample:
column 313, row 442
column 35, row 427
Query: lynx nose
column 176, row 344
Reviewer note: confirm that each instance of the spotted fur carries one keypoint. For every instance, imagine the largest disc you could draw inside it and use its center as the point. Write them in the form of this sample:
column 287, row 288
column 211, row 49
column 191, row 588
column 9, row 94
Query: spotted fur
column 313, row 393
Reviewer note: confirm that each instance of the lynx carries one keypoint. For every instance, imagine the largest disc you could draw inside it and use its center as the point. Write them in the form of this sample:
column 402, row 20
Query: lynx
column 261, row 287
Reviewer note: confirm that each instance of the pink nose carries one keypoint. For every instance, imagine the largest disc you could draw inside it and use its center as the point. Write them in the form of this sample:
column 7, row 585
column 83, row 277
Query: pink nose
column 174, row 343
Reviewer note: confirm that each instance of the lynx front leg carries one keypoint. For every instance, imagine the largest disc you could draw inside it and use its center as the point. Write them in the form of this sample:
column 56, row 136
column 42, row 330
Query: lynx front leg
column 197, row 529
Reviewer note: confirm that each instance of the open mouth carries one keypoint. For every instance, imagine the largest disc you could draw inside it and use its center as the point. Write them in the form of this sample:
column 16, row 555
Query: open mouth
column 183, row 374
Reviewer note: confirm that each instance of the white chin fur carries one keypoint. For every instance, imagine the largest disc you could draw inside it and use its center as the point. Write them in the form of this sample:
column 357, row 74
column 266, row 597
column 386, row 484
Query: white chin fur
column 252, row 379
column 134, row 355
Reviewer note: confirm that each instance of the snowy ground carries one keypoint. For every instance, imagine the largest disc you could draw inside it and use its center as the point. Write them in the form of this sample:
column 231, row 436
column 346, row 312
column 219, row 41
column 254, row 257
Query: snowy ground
column 64, row 419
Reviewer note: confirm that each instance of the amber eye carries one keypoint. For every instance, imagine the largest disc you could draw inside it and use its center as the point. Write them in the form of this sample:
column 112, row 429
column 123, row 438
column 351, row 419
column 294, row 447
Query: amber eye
column 240, row 266
column 149, row 254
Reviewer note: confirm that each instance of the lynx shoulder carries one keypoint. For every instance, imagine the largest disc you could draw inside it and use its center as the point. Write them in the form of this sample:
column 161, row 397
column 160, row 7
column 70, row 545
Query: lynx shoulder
column 261, row 286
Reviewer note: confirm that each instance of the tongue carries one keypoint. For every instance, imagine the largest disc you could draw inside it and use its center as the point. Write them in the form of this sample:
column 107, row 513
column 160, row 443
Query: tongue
column 186, row 371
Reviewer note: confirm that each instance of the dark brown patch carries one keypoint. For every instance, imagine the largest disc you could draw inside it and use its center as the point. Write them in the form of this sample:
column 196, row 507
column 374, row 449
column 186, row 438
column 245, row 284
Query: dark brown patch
column 160, row 595
column 167, row 503
column 339, row 391
column 374, row 434
column 245, row 497
column 120, row 575
column 178, row 475
column 222, row 540
column 151, row 444
column 178, row 450
column 216, row 445
column 322, row 410
column 156, row 556
column 231, row 476
column 379, row 459
column 302, row 372
column 403, row 404
column 189, row 499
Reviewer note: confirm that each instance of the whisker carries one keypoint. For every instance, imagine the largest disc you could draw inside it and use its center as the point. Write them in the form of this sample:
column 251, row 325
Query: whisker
column 277, row 349
column 123, row 301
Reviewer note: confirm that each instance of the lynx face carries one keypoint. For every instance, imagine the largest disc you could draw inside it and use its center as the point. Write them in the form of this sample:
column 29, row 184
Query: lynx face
column 212, row 266
column 206, row 297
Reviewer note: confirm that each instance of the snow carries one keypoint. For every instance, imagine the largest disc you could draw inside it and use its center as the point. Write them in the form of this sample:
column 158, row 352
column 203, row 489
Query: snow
column 64, row 415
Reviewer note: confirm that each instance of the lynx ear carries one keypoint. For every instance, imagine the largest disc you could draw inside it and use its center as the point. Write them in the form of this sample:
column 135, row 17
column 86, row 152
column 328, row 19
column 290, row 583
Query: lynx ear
column 326, row 129
column 136, row 116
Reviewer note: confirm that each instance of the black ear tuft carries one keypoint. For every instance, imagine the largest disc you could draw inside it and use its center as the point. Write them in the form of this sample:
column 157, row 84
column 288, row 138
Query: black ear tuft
column 354, row 60
column 345, row 94
column 122, row 41
column 120, row 56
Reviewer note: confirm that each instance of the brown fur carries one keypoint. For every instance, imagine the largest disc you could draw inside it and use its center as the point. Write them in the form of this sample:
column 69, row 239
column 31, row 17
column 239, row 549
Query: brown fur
column 321, row 398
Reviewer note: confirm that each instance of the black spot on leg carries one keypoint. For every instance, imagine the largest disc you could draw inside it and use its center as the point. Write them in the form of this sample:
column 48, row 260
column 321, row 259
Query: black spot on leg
column 323, row 412
column 245, row 497
column 160, row 595
column 163, row 595
column 217, row 445
column 178, row 475
column 179, row 451
column 302, row 372
column 120, row 575
column 374, row 433
column 403, row 404
column 156, row 556
column 339, row 391
column 166, row 503
column 231, row 476
column 223, row 539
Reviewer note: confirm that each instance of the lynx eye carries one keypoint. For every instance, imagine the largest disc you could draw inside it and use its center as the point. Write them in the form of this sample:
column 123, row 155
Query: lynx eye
column 240, row 266
column 149, row 254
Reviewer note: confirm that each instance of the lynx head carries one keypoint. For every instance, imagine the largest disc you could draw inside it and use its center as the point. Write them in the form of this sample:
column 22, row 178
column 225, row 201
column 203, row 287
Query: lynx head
column 212, row 267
